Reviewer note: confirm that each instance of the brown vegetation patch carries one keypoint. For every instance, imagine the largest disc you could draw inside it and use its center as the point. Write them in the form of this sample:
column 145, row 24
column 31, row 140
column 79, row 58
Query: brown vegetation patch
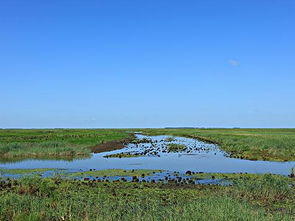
column 111, row 145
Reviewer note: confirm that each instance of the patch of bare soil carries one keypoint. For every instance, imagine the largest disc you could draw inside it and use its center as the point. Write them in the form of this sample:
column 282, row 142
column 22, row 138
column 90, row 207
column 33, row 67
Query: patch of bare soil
column 111, row 145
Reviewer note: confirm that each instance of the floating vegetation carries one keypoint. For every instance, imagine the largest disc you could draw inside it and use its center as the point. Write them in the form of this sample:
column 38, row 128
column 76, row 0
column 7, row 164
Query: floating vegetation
column 143, row 140
column 169, row 139
column 112, row 172
column 176, row 147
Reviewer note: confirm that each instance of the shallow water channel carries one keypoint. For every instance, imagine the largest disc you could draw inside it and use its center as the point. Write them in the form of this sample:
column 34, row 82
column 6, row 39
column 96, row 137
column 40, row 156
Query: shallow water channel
column 153, row 153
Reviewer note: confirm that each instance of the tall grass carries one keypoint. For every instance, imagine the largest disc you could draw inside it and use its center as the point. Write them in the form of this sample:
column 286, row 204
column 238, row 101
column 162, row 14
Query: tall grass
column 54, row 199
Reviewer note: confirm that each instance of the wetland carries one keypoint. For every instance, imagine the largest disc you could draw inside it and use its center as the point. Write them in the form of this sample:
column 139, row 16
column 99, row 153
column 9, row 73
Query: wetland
column 179, row 170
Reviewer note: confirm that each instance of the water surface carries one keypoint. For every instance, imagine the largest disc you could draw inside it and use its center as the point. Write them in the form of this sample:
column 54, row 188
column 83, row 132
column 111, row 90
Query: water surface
column 198, row 157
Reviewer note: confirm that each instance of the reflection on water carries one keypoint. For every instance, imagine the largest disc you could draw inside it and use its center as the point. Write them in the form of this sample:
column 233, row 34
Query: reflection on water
column 198, row 156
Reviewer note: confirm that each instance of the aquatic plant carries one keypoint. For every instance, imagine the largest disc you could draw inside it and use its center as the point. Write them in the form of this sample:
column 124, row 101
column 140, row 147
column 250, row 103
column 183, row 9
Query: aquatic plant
column 173, row 147
column 169, row 139
column 143, row 140
column 111, row 172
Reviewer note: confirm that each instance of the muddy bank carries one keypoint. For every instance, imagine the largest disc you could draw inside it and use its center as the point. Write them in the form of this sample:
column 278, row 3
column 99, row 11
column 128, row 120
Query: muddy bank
column 112, row 145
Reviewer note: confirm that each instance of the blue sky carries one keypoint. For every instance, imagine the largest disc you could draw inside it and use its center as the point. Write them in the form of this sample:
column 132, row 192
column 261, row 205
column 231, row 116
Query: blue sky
column 147, row 63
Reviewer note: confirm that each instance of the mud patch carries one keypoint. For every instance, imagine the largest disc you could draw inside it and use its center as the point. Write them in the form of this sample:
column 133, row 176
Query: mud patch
column 112, row 145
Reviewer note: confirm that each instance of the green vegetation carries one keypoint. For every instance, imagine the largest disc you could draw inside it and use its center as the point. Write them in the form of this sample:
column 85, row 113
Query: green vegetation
column 228, row 176
column 169, row 139
column 254, row 144
column 251, row 197
column 265, row 197
column 55, row 142
column 92, row 172
column 172, row 147
column 25, row 171
column 143, row 140
column 10, row 159
column 122, row 155
column 113, row 172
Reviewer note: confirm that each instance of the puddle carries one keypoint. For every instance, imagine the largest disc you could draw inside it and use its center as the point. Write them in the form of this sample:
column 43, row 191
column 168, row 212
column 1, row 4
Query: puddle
column 154, row 154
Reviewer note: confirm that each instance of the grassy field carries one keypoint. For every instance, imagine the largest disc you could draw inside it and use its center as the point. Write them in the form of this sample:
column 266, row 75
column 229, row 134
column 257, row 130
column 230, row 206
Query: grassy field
column 263, row 197
column 54, row 143
column 254, row 144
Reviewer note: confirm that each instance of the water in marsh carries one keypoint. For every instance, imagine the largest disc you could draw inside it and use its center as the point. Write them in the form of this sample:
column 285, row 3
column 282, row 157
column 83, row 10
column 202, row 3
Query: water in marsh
column 152, row 152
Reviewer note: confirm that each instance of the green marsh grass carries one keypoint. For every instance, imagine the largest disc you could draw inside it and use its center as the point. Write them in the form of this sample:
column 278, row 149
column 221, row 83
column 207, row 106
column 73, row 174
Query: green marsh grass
column 264, row 198
column 253, row 144
column 26, row 171
column 169, row 139
column 173, row 147
column 55, row 142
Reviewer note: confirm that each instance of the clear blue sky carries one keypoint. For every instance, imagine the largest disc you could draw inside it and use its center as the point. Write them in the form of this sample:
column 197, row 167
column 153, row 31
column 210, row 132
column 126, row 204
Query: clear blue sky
column 147, row 63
